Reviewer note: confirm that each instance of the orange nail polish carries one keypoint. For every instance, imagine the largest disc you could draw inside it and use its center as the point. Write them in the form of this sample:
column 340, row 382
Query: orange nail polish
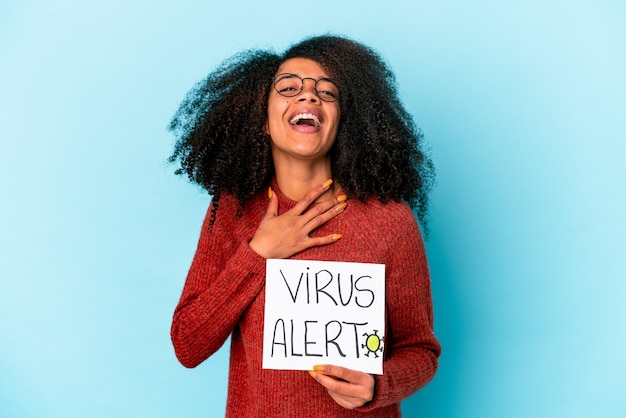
column 312, row 373
column 342, row 198
column 327, row 183
column 318, row 368
column 335, row 238
column 340, row 207
column 269, row 192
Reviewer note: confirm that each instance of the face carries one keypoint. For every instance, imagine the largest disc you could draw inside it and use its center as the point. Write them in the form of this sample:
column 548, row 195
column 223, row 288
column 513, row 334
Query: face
column 302, row 127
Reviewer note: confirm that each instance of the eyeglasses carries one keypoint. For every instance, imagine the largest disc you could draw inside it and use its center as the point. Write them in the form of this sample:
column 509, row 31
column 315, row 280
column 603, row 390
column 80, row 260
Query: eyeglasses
column 290, row 85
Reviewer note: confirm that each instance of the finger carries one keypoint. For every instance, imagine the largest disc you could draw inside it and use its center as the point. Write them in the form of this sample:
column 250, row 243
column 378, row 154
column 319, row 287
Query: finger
column 318, row 241
column 332, row 383
column 342, row 373
column 358, row 383
column 272, row 207
column 330, row 208
column 311, row 196
column 319, row 218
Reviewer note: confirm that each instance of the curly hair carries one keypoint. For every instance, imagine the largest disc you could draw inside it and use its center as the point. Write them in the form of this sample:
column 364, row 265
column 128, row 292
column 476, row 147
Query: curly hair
column 222, row 144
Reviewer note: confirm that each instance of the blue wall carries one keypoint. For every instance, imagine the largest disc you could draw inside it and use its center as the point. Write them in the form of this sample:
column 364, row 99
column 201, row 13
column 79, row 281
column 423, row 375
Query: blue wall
column 523, row 105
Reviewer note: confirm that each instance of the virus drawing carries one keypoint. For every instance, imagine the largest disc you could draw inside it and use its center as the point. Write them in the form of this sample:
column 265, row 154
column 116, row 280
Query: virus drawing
column 373, row 343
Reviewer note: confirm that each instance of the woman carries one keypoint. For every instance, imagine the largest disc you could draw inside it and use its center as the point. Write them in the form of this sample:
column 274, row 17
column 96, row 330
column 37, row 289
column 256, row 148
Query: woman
column 308, row 155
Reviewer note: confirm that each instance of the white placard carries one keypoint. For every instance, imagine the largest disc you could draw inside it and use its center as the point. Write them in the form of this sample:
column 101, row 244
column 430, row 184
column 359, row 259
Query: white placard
column 323, row 312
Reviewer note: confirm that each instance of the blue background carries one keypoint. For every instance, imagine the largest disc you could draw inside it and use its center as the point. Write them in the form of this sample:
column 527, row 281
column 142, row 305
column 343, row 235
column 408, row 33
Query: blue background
column 523, row 104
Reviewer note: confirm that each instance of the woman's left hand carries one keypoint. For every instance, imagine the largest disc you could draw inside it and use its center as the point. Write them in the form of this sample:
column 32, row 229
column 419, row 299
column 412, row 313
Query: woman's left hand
column 349, row 388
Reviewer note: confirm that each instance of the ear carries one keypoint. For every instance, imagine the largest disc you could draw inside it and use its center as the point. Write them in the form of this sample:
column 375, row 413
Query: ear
column 266, row 128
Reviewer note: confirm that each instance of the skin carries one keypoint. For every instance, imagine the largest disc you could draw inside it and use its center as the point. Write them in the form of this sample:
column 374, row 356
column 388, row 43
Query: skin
column 303, row 172
column 300, row 152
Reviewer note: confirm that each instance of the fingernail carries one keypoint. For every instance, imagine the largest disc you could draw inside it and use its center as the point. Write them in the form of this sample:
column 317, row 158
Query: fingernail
column 335, row 238
column 319, row 368
column 327, row 183
column 340, row 207
column 312, row 373
column 342, row 197
column 269, row 192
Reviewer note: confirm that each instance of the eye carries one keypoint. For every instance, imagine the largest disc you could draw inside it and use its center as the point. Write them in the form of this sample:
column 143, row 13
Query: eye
column 327, row 90
column 288, row 85
column 328, row 94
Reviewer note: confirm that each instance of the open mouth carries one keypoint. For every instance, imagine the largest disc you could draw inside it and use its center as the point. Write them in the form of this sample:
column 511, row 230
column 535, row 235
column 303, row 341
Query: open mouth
column 307, row 119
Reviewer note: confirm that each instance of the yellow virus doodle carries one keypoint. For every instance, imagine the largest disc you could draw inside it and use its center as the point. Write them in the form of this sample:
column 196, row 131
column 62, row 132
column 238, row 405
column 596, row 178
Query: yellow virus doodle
column 373, row 343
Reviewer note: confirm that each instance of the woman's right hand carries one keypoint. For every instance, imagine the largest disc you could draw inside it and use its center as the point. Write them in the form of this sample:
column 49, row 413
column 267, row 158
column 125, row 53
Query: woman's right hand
column 288, row 234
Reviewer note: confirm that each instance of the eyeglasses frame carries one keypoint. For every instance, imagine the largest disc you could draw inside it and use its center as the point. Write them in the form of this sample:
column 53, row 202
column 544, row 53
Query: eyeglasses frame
column 279, row 77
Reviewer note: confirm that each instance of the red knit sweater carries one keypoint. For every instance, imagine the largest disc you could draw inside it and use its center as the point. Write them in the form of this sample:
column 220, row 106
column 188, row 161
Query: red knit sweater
column 224, row 295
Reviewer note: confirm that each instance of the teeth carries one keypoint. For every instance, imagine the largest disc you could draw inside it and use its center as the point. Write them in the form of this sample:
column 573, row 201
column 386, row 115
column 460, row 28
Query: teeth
column 300, row 116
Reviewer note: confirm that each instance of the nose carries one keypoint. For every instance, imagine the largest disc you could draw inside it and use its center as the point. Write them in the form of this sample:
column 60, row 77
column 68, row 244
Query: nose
column 308, row 91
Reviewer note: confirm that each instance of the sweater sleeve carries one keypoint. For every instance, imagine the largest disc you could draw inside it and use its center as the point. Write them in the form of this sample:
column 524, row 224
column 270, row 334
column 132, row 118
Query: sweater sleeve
column 411, row 359
column 224, row 277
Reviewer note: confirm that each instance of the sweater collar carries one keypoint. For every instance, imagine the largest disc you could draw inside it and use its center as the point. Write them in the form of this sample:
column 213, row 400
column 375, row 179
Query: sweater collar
column 285, row 203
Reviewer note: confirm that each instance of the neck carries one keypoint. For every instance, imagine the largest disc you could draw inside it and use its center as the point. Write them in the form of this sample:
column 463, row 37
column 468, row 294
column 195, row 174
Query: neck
column 295, row 180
